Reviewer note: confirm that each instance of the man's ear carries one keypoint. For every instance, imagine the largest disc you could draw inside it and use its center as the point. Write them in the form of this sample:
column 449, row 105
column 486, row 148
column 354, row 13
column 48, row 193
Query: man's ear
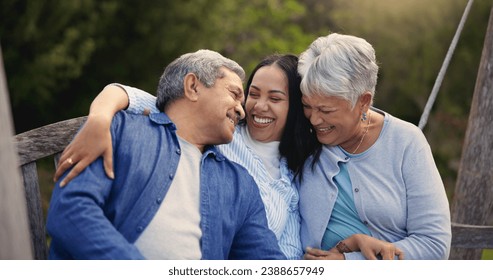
column 190, row 84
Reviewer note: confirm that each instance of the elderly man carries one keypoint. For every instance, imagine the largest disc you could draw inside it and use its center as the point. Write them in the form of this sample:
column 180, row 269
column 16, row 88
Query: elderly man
column 174, row 195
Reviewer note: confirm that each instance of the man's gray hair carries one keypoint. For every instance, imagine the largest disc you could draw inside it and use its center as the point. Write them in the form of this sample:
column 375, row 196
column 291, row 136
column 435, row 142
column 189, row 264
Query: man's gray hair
column 205, row 64
column 338, row 65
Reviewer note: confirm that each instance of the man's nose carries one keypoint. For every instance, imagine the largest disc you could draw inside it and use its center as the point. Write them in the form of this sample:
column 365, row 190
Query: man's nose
column 240, row 112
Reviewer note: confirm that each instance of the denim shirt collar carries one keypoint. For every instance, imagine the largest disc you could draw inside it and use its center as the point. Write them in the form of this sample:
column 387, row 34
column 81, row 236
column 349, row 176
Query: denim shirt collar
column 212, row 150
column 162, row 119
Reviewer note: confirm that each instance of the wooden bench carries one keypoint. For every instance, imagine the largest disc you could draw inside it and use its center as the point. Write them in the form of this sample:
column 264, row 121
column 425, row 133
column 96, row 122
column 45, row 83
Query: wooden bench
column 470, row 237
column 33, row 145
column 50, row 140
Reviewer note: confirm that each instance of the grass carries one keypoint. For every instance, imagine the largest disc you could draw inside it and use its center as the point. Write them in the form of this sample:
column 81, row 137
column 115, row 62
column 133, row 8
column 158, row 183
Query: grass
column 487, row 254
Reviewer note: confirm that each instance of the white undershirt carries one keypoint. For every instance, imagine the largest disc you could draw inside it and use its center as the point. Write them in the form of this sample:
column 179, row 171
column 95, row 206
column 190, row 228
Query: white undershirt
column 267, row 152
column 174, row 233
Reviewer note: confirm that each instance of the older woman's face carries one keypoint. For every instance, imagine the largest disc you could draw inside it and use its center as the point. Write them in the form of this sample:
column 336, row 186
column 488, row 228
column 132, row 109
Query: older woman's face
column 332, row 118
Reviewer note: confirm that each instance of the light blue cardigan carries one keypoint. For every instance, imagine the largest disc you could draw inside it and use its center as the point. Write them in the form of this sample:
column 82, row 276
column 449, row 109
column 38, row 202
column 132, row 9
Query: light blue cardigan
column 397, row 192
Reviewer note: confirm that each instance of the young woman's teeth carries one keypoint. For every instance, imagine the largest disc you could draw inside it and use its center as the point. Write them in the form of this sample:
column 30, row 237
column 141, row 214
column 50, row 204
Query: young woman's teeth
column 262, row 120
column 325, row 129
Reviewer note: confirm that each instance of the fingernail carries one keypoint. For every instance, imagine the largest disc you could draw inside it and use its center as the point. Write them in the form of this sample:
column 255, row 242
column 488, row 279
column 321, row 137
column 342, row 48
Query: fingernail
column 62, row 184
column 112, row 175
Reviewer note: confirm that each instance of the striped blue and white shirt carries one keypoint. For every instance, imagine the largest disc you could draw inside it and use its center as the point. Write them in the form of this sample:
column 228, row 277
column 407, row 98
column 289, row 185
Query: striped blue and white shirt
column 280, row 195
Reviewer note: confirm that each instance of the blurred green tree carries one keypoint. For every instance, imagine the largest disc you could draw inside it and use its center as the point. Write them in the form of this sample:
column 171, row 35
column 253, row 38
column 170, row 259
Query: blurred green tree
column 59, row 54
column 46, row 44
column 411, row 38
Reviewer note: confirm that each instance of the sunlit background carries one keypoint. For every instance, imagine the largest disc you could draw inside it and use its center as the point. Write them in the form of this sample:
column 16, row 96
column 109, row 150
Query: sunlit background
column 59, row 54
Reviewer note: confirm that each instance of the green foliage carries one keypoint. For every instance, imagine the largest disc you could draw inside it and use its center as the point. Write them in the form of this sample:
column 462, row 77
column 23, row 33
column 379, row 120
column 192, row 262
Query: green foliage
column 411, row 39
column 59, row 54
column 46, row 44
column 487, row 254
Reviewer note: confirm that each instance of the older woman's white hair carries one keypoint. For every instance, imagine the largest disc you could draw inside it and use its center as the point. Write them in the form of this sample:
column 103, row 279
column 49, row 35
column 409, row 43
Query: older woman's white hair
column 338, row 65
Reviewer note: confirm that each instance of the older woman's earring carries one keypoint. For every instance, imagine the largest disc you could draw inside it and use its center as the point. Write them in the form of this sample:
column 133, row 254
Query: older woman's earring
column 363, row 117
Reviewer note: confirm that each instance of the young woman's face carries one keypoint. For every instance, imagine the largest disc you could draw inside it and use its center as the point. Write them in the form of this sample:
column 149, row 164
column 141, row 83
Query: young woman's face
column 267, row 104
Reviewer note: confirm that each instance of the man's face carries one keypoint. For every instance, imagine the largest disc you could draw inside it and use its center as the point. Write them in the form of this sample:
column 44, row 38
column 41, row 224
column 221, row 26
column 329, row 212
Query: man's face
column 222, row 108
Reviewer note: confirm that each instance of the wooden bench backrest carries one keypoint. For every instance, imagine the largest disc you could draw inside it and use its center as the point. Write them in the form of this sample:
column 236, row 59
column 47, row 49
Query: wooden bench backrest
column 50, row 140
column 31, row 146
column 471, row 238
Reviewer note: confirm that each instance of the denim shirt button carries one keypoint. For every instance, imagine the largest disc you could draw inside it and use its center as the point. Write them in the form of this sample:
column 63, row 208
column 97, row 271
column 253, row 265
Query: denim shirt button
column 140, row 228
column 178, row 151
column 171, row 175
column 356, row 190
column 158, row 200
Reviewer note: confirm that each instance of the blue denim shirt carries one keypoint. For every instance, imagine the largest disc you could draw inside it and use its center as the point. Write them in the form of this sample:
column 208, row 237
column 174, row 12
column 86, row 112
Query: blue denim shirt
column 94, row 217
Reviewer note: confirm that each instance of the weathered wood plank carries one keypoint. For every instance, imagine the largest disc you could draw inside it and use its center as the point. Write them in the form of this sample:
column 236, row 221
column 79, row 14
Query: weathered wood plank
column 472, row 237
column 35, row 211
column 36, row 144
column 473, row 196
column 47, row 140
column 33, row 145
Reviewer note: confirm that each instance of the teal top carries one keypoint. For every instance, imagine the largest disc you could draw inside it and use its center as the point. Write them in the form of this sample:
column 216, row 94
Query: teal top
column 344, row 220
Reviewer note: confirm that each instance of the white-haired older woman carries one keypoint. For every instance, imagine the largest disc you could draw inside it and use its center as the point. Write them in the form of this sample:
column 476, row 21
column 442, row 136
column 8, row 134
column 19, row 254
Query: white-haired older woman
column 374, row 174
